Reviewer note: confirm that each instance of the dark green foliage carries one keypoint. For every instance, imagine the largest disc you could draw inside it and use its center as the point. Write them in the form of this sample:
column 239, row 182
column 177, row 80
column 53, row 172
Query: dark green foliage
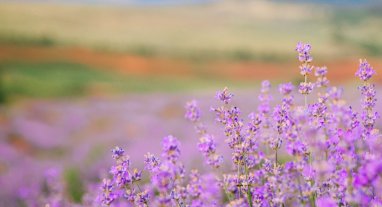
column 75, row 188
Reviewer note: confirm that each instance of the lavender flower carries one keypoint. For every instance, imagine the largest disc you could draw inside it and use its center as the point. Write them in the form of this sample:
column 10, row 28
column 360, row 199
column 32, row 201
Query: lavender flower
column 286, row 88
column 224, row 96
column 108, row 196
column 265, row 99
column 194, row 188
column 206, row 144
column 254, row 123
column 368, row 90
column 304, row 52
column 305, row 69
column 136, row 175
column 192, row 111
column 121, row 172
column 151, row 162
column 141, row 199
column 305, row 58
column 365, row 71
column 328, row 164
column 117, row 152
column 265, row 86
column 171, row 149
column 163, row 179
column 305, row 88
column 320, row 73
column 124, row 181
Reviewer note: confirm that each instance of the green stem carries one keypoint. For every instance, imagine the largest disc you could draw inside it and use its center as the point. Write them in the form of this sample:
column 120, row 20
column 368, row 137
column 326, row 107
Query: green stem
column 238, row 176
column 249, row 194
column 306, row 95
column 300, row 191
column 312, row 201
column 228, row 194
column 276, row 157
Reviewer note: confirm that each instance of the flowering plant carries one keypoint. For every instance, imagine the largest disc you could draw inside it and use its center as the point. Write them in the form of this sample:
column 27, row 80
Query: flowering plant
column 321, row 153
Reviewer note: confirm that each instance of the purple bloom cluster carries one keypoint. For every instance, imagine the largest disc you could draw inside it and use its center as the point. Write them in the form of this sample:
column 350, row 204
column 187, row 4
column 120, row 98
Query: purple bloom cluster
column 322, row 80
column 123, row 185
column 206, row 144
column 305, row 69
column 305, row 88
column 304, row 52
column 264, row 107
column 288, row 154
column 305, row 58
column 192, row 111
column 108, row 196
column 286, row 88
column 369, row 116
column 365, row 71
column 171, row 149
column 224, row 95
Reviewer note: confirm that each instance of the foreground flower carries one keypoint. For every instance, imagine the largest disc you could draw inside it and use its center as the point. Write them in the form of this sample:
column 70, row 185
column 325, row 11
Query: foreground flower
column 323, row 153
column 365, row 71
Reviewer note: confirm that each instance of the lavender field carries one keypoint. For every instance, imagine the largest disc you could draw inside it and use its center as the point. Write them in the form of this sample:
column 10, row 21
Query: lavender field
column 190, row 103
column 57, row 152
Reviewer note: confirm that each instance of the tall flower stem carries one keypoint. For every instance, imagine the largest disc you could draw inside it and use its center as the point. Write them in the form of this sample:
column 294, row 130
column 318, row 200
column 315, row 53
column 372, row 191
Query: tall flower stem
column 276, row 157
column 249, row 193
column 306, row 95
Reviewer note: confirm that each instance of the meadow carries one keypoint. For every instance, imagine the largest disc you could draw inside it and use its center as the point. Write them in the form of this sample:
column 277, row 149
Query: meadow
column 86, row 90
column 228, row 29
column 66, row 147
column 174, row 47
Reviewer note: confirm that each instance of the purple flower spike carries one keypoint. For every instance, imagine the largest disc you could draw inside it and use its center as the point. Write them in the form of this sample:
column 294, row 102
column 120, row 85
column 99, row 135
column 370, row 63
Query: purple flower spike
column 369, row 92
column 137, row 175
column 324, row 154
column 286, row 88
column 171, row 148
column 321, row 71
column 206, row 144
column 305, row 88
column 305, row 69
column 117, row 152
column 224, row 95
column 304, row 52
column 151, row 161
column 265, row 86
column 142, row 198
column 365, row 71
column 192, row 111
column 107, row 196
column 215, row 160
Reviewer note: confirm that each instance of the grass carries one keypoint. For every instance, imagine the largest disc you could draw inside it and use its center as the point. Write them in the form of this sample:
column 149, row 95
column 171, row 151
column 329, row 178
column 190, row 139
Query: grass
column 48, row 79
column 61, row 79
column 16, row 39
column 74, row 185
column 226, row 29
column 250, row 30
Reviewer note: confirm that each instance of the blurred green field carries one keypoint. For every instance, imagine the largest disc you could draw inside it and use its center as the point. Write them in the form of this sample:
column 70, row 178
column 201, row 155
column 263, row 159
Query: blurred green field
column 62, row 79
column 225, row 29
column 232, row 31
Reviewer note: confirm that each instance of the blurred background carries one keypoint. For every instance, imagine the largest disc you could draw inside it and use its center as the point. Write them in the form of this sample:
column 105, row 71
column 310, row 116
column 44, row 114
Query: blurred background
column 79, row 77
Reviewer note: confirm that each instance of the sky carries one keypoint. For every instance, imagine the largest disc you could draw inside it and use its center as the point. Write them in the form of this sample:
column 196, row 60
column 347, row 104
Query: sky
column 174, row 2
